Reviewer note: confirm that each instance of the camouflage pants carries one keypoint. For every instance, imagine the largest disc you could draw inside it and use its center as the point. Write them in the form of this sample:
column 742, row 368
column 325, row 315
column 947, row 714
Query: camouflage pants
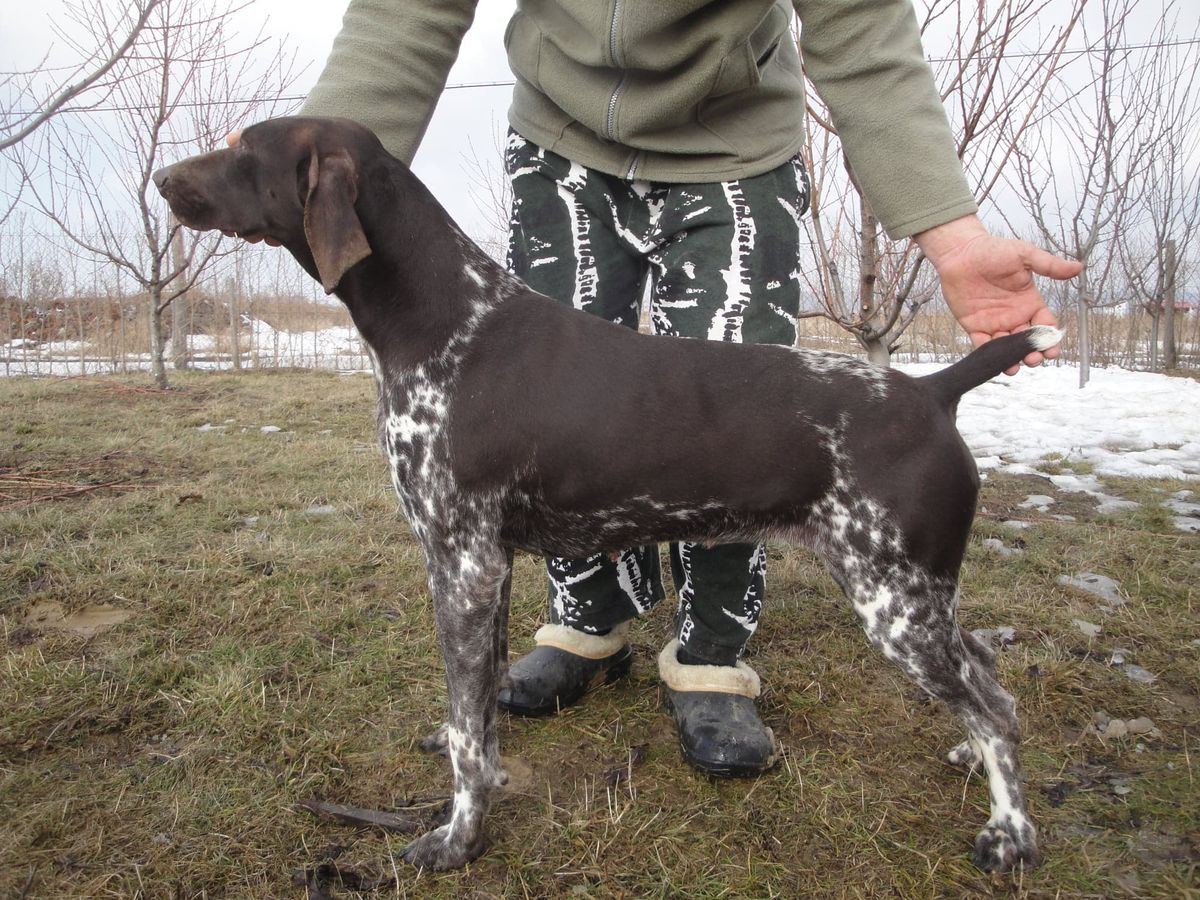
column 718, row 261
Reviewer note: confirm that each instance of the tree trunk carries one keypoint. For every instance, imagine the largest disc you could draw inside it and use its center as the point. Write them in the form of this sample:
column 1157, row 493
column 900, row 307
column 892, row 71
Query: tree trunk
column 157, row 368
column 1085, row 344
column 1170, row 358
column 877, row 352
column 235, row 349
column 83, row 343
column 179, row 306
column 180, row 354
column 868, row 300
column 1155, row 312
column 235, row 296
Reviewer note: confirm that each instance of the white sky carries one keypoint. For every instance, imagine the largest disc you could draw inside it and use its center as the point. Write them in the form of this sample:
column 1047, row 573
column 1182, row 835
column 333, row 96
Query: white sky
column 465, row 118
column 466, row 122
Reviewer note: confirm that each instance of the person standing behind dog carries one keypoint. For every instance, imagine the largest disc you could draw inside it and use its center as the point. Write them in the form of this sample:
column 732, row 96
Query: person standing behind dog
column 660, row 140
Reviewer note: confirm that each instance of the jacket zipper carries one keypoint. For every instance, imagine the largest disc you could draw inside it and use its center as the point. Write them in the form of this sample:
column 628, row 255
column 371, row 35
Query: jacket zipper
column 614, row 51
column 611, row 122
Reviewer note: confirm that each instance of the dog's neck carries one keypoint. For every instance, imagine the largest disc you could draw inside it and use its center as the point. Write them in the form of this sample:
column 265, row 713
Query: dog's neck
column 422, row 292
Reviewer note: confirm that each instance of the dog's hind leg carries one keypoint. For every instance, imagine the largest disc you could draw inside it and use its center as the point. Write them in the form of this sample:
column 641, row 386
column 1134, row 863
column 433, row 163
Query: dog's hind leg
column 468, row 585
column 502, row 624
column 1009, row 840
column 910, row 616
column 965, row 755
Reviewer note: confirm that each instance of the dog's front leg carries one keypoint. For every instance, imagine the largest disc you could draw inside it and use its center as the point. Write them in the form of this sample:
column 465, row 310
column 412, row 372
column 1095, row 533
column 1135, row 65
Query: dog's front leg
column 468, row 591
column 438, row 742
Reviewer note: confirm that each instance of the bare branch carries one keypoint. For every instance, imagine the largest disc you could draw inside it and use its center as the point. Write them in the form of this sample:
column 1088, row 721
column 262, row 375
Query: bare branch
column 993, row 100
column 99, row 189
column 70, row 92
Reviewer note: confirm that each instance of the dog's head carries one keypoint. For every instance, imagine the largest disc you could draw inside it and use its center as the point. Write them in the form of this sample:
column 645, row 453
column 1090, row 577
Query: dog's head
column 294, row 181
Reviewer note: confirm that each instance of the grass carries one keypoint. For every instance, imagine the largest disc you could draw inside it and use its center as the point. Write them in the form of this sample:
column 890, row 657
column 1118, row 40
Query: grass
column 275, row 652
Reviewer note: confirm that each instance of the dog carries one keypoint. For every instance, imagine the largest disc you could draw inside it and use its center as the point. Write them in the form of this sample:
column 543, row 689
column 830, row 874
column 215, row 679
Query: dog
column 512, row 422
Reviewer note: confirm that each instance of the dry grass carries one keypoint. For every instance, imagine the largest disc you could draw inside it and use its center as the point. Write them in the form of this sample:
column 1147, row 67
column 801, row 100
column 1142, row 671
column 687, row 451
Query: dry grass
column 272, row 655
column 299, row 314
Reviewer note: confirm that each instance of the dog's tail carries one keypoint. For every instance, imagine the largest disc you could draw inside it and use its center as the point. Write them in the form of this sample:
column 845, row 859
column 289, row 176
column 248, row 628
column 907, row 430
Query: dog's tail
column 989, row 361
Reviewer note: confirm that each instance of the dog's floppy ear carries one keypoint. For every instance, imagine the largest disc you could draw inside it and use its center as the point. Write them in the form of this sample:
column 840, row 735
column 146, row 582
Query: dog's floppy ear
column 331, row 225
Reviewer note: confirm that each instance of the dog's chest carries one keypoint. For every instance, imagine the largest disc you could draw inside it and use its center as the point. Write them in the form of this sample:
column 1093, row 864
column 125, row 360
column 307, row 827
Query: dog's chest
column 414, row 419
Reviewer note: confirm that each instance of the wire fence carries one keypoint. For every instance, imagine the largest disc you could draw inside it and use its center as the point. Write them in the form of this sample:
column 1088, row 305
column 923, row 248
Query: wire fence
column 110, row 335
column 241, row 329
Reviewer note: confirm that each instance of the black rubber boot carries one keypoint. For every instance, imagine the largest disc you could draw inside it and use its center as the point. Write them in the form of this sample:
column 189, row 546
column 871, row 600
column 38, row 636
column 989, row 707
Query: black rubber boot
column 720, row 732
column 550, row 679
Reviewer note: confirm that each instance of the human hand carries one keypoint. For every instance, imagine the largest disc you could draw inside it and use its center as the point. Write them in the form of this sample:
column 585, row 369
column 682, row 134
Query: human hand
column 232, row 139
column 988, row 281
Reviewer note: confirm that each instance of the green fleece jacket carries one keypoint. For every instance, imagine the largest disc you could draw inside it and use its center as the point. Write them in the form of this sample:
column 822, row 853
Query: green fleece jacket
column 673, row 90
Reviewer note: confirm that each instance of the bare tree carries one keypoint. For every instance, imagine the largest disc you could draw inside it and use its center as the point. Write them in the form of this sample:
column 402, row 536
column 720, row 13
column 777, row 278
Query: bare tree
column 27, row 102
column 492, row 193
column 1167, row 187
column 994, row 93
column 192, row 84
column 1078, row 187
column 26, row 108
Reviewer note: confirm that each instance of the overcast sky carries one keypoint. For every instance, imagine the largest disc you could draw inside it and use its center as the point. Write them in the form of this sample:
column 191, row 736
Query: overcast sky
column 465, row 119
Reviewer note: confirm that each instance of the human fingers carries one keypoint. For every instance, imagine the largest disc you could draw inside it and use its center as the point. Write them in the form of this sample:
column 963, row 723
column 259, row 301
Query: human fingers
column 1046, row 263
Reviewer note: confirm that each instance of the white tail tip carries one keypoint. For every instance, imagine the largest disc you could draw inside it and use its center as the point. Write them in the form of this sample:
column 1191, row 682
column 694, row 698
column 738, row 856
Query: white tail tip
column 1043, row 337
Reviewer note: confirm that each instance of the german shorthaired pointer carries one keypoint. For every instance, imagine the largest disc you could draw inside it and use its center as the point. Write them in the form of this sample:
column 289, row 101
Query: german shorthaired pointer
column 513, row 422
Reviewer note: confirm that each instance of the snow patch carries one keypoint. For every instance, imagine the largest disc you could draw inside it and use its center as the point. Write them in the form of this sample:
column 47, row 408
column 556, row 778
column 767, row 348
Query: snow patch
column 1097, row 585
column 1122, row 424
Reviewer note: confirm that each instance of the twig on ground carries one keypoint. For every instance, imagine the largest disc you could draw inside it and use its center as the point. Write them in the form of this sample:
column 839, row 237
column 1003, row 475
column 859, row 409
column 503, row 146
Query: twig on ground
column 28, row 883
column 8, row 502
column 323, row 878
column 119, row 388
column 353, row 815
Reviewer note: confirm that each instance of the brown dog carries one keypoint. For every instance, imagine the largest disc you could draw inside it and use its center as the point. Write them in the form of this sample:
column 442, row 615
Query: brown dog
column 511, row 421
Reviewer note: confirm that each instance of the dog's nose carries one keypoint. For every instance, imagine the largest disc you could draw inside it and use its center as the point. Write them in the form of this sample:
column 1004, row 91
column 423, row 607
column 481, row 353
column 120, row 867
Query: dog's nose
column 161, row 177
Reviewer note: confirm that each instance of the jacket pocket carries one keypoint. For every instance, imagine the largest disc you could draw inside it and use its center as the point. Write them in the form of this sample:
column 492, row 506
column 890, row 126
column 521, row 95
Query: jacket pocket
column 743, row 68
column 767, row 58
column 523, row 44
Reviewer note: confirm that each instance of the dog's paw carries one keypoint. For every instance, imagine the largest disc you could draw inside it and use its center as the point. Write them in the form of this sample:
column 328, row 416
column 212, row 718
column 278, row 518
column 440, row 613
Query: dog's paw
column 437, row 743
column 438, row 851
column 964, row 755
column 997, row 849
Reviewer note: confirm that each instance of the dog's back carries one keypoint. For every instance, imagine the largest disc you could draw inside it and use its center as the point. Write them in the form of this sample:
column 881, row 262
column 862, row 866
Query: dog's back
column 601, row 438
